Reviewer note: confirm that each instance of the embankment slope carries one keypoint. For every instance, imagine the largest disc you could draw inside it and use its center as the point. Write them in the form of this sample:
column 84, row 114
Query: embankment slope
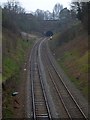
column 71, row 51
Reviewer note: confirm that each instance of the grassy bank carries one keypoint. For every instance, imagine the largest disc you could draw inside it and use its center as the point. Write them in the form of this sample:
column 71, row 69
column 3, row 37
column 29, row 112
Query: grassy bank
column 77, row 69
column 72, row 54
column 15, row 52
column 13, row 61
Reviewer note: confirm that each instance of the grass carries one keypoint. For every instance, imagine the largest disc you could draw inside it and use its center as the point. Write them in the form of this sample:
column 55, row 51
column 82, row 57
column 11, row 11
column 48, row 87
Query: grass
column 7, row 110
column 72, row 56
column 12, row 63
column 0, row 78
column 75, row 66
column 10, row 67
column 83, row 63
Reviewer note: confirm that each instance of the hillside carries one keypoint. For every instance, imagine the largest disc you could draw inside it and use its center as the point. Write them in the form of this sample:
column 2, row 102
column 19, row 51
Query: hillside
column 71, row 51
column 16, row 50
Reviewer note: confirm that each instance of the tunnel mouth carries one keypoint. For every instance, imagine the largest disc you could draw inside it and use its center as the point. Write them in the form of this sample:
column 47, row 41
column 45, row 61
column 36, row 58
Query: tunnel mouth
column 49, row 33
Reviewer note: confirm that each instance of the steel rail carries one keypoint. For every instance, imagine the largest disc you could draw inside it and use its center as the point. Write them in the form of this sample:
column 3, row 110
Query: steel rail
column 47, row 104
column 46, row 101
column 32, row 89
column 55, row 86
column 60, row 95
column 48, row 51
column 42, row 86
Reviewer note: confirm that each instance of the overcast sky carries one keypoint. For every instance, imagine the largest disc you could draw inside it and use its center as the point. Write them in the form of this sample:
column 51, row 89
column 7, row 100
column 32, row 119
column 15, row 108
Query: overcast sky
column 32, row 5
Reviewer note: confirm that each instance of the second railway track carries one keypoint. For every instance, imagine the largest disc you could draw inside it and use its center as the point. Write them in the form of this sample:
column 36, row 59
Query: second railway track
column 40, row 108
column 69, row 103
column 65, row 103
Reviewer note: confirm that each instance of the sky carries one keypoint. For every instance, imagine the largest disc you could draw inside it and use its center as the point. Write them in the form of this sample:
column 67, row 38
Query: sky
column 32, row 5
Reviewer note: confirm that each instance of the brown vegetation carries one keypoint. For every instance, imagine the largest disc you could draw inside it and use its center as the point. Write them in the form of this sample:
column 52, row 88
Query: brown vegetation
column 72, row 54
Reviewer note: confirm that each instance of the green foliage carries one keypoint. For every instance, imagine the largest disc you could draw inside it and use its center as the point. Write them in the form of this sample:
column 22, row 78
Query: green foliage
column 79, row 64
column 83, row 63
column 8, row 111
column 13, row 60
column 12, row 64
column 0, row 76
column 70, row 56
column 9, row 67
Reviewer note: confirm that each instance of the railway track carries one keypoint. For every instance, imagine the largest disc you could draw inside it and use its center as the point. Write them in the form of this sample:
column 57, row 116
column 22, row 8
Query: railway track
column 62, row 97
column 40, row 107
column 70, row 105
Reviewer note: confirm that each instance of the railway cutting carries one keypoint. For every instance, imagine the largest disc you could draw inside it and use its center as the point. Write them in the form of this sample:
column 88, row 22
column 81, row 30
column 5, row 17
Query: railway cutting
column 59, row 102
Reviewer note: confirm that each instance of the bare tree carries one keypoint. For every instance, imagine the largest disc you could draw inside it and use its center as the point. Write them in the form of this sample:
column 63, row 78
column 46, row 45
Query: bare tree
column 82, row 10
column 47, row 15
column 39, row 14
column 14, row 6
column 56, row 10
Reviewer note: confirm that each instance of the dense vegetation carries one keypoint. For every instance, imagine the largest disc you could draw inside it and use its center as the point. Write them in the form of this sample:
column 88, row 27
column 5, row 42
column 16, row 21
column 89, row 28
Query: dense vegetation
column 70, row 46
column 15, row 18
column 69, row 24
column 72, row 55
column 82, row 10
column 15, row 52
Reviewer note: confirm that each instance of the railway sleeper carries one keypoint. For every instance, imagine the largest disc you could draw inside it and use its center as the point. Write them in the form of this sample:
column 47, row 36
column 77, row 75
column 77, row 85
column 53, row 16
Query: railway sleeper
column 42, row 115
column 40, row 102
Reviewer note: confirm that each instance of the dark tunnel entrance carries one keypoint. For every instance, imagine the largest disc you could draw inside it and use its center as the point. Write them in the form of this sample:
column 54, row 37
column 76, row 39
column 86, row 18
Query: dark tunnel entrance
column 49, row 33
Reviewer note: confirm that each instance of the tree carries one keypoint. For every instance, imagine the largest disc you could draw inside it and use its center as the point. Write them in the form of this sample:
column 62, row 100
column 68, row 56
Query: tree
column 73, row 14
column 82, row 10
column 65, row 19
column 65, row 14
column 14, row 6
column 39, row 14
column 56, row 10
column 47, row 15
column 15, row 18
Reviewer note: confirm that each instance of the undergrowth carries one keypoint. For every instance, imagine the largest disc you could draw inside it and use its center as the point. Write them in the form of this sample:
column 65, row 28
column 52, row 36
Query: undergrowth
column 13, row 59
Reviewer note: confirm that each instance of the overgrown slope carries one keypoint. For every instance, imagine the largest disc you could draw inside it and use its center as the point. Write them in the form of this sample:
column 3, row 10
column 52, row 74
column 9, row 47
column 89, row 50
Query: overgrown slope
column 71, row 52
column 15, row 52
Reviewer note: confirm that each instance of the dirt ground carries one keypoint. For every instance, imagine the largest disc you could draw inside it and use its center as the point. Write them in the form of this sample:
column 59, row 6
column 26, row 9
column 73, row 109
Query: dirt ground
column 16, row 103
column 19, row 101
